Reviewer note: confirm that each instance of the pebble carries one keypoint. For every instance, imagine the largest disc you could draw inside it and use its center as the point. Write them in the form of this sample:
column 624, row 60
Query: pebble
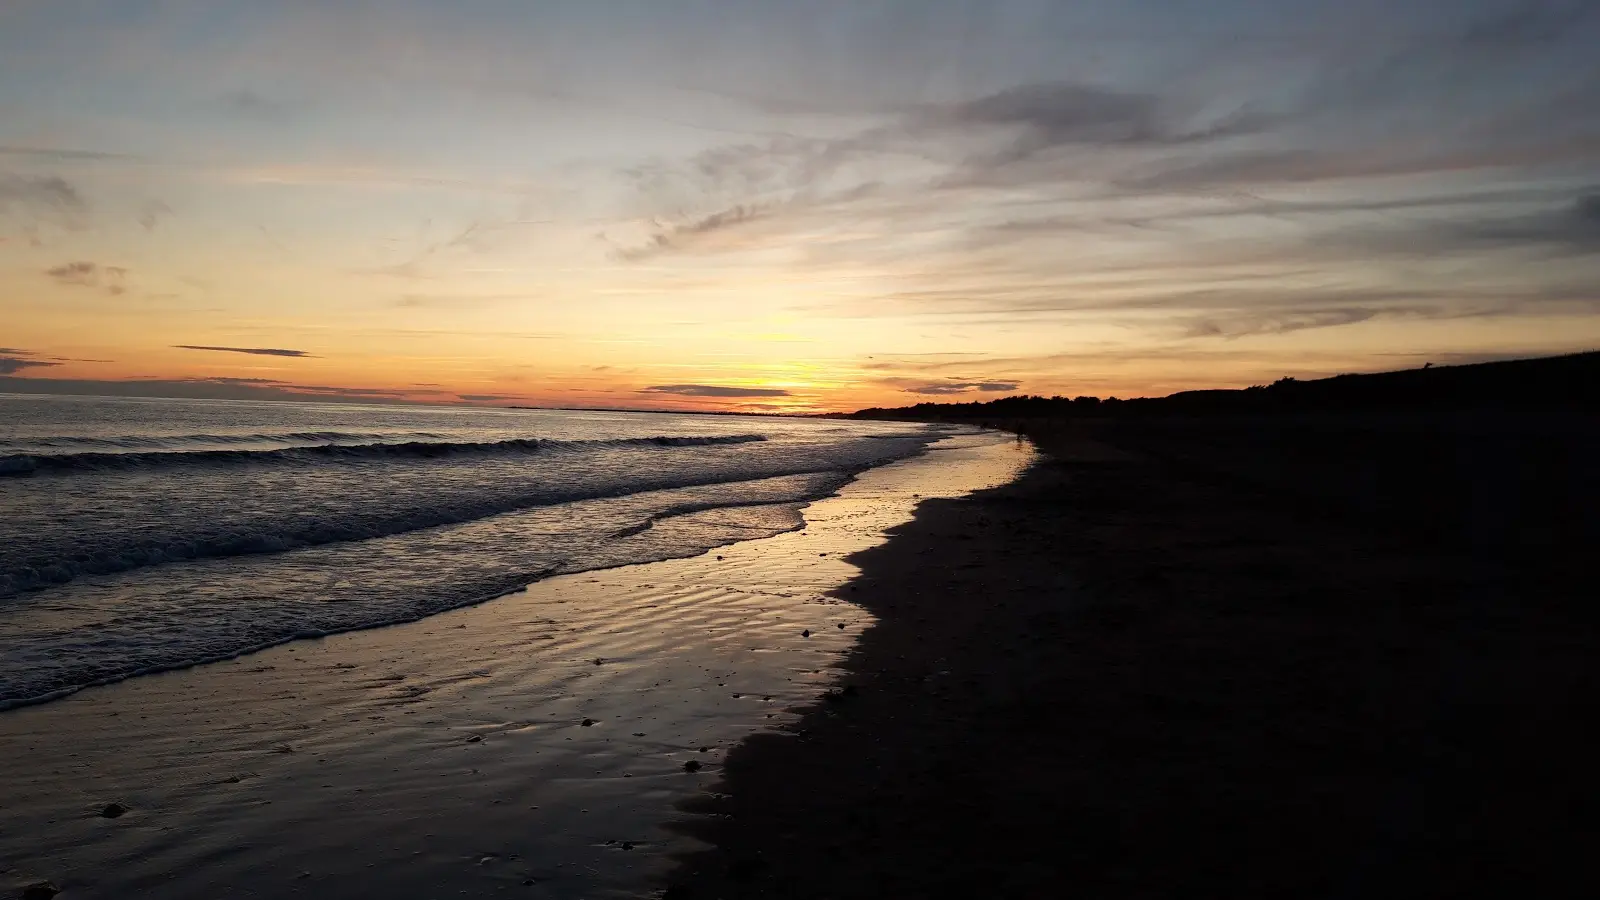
column 40, row 890
column 114, row 811
column 692, row 765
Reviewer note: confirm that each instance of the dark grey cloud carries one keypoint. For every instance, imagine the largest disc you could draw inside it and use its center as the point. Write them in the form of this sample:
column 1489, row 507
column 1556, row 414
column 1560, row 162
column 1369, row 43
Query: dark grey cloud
column 670, row 237
column 82, row 273
column 13, row 360
column 257, row 351
column 1305, row 165
column 1567, row 231
column 322, row 390
column 60, row 154
column 1537, row 23
column 712, row 390
column 151, row 212
column 1051, row 115
column 1574, row 229
column 47, row 199
column 249, row 104
column 74, row 272
column 945, row 388
column 203, row 389
column 1245, row 323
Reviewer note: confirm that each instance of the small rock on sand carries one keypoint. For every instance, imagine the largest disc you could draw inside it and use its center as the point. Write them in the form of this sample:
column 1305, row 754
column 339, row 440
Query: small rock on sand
column 113, row 811
column 692, row 765
column 40, row 890
column 806, row 633
column 586, row 722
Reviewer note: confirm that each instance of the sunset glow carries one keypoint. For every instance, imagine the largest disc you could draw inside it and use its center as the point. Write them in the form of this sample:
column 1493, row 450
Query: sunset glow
column 787, row 207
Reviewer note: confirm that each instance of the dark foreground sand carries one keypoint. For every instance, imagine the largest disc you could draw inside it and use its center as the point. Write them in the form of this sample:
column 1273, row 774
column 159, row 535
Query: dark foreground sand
column 1110, row 679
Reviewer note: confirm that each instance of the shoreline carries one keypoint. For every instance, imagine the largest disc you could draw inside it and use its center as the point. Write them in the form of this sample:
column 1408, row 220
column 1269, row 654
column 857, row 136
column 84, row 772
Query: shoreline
column 452, row 753
column 1112, row 678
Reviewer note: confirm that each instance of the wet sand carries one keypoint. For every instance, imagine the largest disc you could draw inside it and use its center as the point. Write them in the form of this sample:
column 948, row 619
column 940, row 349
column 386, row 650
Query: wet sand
column 1114, row 678
column 450, row 756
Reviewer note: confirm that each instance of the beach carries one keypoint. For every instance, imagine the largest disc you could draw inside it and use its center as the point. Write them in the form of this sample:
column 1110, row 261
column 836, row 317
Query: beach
column 982, row 671
column 536, row 743
column 1118, row 677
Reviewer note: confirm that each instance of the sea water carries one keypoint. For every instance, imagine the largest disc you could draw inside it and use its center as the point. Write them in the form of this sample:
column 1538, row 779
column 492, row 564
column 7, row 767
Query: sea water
column 145, row 534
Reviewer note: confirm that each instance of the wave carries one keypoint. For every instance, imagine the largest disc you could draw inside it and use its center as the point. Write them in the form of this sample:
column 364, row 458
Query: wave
column 689, row 509
column 180, row 441
column 94, row 460
column 234, row 542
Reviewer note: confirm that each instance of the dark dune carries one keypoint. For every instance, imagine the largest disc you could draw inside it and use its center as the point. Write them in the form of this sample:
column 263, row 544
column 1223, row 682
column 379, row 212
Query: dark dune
column 1338, row 654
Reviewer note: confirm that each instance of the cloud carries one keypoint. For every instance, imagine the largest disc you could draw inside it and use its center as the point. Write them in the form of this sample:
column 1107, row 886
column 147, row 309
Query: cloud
column 1310, row 165
column 13, row 360
column 1536, row 24
column 257, row 351
column 676, row 237
column 464, row 301
column 1285, row 321
column 60, row 154
column 485, row 398
column 1050, row 115
column 213, row 388
column 74, row 272
column 50, row 199
column 249, row 104
column 943, row 388
column 81, row 273
column 712, row 390
column 1574, row 228
column 151, row 212
column 1570, row 229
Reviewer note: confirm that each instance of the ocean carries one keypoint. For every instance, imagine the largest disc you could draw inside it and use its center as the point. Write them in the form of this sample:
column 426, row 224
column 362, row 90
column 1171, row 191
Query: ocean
column 138, row 535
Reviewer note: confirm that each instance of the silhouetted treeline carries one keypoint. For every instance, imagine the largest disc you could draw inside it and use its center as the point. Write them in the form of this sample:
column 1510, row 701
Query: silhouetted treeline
column 1559, row 382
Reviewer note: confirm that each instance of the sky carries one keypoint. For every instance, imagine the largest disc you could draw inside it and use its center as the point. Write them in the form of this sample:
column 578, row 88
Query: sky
column 774, row 205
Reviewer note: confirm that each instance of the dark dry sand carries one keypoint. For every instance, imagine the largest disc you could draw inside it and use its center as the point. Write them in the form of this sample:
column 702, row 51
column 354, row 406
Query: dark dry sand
column 1113, row 680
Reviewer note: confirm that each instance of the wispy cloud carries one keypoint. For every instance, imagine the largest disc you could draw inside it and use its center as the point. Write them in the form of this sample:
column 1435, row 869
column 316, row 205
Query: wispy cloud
column 946, row 388
column 13, row 360
column 48, row 199
column 256, row 351
column 60, row 154
column 212, row 388
column 670, row 237
column 112, row 279
column 1037, row 118
column 1574, row 228
column 151, row 212
column 713, row 390
column 250, row 104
